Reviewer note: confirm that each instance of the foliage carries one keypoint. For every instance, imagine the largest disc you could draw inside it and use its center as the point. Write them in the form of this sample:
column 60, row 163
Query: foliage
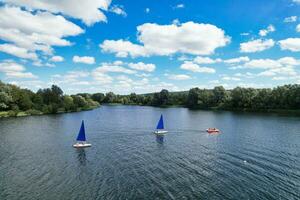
column 15, row 101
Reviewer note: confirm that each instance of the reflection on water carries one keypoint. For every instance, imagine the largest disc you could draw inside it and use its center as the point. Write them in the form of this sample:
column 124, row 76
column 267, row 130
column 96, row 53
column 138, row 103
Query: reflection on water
column 160, row 139
column 81, row 156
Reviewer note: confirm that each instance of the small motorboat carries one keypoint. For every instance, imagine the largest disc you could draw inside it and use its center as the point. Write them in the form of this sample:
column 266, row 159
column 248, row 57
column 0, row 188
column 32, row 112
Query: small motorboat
column 160, row 127
column 81, row 139
column 212, row 130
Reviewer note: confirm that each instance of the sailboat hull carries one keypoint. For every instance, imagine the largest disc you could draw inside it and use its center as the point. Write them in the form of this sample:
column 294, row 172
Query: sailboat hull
column 81, row 145
column 160, row 132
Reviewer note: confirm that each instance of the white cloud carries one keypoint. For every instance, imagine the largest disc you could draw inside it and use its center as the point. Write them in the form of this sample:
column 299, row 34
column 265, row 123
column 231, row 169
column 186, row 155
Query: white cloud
column 71, row 78
column 123, row 48
column 84, row 59
column 237, row 60
column 101, row 78
column 178, row 77
column 56, row 59
column 267, row 73
column 35, row 31
column 205, row 60
column 298, row 28
column 290, row 19
column 292, row 44
column 229, row 78
column 119, row 10
column 15, row 70
column 89, row 11
column 263, row 64
column 113, row 67
column 189, row 37
column 179, row 6
column 266, row 31
column 296, row 1
column 147, row 10
column 245, row 34
column 190, row 66
column 283, row 66
column 142, row 66
column 41, row 22
column 245, row 75
column 256, row 45
column 17, row 51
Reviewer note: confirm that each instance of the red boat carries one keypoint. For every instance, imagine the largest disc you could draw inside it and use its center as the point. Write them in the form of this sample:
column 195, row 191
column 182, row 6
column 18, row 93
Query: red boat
column 212, row 130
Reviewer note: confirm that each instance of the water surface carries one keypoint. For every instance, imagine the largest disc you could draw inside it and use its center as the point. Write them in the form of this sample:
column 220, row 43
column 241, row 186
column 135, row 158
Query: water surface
column 257, row 156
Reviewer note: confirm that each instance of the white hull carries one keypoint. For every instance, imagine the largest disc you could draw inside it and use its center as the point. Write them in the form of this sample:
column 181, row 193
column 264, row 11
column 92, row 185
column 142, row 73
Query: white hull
column 81, row 145
column 162, row 132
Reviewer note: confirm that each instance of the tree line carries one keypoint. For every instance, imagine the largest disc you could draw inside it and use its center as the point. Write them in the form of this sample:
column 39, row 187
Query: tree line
column 285, row 97
column 15, row 100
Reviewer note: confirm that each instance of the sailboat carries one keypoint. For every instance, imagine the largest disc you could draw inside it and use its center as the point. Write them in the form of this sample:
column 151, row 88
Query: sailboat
column 81, row 140
column 160, row 127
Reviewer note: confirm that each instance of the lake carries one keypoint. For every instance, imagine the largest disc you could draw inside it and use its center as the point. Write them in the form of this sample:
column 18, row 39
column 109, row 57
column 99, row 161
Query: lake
column 257, row 156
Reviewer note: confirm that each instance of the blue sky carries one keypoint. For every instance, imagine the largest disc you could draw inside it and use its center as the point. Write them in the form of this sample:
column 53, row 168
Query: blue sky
column 144, row 46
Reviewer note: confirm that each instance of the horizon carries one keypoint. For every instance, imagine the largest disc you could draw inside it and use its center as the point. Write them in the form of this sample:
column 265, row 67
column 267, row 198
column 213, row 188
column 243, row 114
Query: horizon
column 144, row 47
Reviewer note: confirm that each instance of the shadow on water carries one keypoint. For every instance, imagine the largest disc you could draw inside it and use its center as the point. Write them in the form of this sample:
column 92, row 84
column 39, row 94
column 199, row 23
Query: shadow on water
column 81, row 156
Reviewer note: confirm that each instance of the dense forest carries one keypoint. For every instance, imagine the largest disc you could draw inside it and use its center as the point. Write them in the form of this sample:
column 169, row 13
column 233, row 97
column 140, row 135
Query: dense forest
column 15, row 101
column 285, row 97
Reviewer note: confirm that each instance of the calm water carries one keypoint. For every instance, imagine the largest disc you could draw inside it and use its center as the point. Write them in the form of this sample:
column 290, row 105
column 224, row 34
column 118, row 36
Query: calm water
column 257, row 156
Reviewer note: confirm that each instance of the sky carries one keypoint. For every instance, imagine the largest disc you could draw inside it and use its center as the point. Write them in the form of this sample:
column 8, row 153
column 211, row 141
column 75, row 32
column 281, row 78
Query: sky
column 144, row 46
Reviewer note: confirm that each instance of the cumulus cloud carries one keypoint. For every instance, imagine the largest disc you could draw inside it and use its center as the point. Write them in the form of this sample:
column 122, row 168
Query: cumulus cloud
column 269, row 29
column 256, row 45
column 17, row 51
column 237, row 60
column 142, row 66
column 190, row 66
column 230, row 78
column 190, row 37
column 12, row 69
column 292, row 44
column 147, row 10
column 118, row 9
column 282, row 66
column 178, row 77
column 36, row 31
column 56, row 59
column 290, row 19
column 114, row 67
column 89, row 11
column 84, row 59
column 123, row 48
column 206, row 60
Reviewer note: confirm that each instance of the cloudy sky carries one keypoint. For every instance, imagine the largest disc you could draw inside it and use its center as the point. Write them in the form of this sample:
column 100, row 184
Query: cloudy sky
column 143, row 46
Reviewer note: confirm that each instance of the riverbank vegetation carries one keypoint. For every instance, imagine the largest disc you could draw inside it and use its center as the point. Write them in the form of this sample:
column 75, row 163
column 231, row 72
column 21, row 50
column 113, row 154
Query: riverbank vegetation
column 281, row 98
column 15, row 101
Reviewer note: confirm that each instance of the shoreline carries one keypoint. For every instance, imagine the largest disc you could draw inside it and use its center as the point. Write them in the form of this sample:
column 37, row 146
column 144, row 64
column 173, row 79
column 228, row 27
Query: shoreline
column 17, row 114
column 274, row 111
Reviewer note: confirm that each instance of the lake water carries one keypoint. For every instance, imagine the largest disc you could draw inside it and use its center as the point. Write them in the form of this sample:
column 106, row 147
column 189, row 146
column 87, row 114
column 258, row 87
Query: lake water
column 257, row 156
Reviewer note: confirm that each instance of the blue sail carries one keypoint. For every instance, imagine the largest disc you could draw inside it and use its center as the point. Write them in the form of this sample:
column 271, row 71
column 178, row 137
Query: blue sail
column 160, row 124
column 81, row 134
